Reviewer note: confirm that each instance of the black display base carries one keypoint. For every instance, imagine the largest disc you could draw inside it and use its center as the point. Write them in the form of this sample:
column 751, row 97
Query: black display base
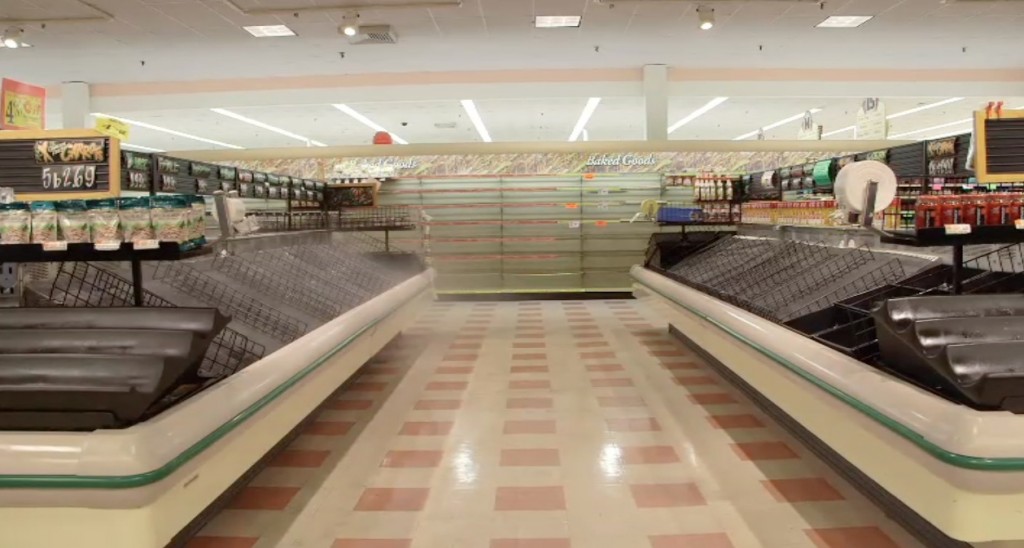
column 935, row 237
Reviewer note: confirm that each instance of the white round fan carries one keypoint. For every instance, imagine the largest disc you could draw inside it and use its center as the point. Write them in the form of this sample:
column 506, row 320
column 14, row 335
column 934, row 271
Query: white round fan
column 854, row 180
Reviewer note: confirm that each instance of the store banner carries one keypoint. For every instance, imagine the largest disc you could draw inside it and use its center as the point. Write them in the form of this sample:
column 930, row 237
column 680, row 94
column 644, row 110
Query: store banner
column 570, row 164
column 22, row 106
column 872, row 123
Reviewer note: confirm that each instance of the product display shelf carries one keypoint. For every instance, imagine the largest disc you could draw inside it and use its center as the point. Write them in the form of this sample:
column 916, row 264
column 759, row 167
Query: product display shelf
column 949, row 472
column 512, row 233
column 940, row 237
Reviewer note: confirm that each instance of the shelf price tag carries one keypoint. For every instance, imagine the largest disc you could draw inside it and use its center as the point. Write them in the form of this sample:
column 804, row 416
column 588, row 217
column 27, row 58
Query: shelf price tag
column 107, row 246
column 601, row 224
column 1019, row 224
column 574, row 224
column 572, row 206
column 146, row 244
column 957, row 230
column 55, row 246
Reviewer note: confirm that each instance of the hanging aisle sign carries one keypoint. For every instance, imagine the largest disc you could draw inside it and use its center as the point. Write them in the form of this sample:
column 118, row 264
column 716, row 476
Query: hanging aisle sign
column 113, row 128
column 809, row 130
column 22, row 106
column 871, row 121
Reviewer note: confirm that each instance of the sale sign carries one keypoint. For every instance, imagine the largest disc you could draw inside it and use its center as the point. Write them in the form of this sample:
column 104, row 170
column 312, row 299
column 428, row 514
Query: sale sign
column 22, row 106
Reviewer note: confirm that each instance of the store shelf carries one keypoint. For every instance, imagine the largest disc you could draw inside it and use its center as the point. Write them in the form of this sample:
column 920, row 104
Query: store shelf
column 936, row 237
column 34, row 253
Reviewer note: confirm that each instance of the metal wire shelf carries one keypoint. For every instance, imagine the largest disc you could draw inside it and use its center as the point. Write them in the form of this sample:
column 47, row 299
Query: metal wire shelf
column 85, row 285
column 240, row 306
column 887, row 273
column 304, row 296
column 373, row 218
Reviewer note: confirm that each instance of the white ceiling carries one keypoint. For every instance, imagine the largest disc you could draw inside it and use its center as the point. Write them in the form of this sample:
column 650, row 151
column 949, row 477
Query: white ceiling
column 539, row 119
column 192, row 40
column 203, row 39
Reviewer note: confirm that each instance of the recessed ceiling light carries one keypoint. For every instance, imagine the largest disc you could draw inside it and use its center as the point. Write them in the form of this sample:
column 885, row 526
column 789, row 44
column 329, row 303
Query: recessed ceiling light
column 697, row 113
column 844, row 21
column 478, row 122
column 11, row 39
column 165, row 130
column 368, row 122
column 270, row 31
column 581, row 124
column 268, row 127
column 557, row 21
column 706, row 16
column 350, row 23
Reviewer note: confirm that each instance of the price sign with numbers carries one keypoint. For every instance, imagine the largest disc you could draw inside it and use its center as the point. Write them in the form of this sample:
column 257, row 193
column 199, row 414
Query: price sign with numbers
column 76, row 177
column 60, row 164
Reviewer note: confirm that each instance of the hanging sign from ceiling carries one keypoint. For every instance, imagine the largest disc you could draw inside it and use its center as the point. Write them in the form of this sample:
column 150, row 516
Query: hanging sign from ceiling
column 809, row 130
column 871, row 121
column 113, row 128
column 22, row 106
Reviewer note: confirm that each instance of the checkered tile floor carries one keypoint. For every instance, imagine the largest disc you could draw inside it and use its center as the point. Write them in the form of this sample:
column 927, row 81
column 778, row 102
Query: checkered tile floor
column 545, row 425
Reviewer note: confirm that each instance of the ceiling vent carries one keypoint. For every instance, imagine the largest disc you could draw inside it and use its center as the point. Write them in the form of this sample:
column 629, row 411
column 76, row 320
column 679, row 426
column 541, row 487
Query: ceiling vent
column 374, row 34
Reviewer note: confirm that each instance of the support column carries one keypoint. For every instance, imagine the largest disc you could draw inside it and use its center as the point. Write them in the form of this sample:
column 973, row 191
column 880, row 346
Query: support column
column 656, row 102
column 75, row 101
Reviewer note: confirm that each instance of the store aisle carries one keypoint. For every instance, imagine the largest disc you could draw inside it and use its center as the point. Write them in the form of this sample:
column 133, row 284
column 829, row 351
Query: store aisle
column 545, row 425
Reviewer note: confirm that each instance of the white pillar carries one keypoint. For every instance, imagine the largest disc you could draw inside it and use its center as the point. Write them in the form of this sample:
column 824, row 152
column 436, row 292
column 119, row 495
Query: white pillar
column 656, row 102
column 75, row 101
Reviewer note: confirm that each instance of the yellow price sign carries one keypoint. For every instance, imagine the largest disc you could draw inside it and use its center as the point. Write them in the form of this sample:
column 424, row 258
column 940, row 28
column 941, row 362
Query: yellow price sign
column 113, row 128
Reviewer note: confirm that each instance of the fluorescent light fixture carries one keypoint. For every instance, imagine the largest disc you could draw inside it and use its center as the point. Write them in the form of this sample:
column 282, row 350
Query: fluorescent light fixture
column 932, row 128
column 838, row 131
column 270, row 31
column 368, row 122
column 844, row 21
column 581, row 124
column 167, row 131
column 941, row 126
column 142, row 148
column 268, row 127
column 924, row 107
column 697, row 113
column 776, row 124
column 478, row 122
column 706, row 16
column 557, row 21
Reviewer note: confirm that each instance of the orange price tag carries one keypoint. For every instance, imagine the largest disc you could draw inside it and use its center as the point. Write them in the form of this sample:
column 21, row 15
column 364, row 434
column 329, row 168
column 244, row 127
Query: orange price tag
column 572, row 206
column 601, row 224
